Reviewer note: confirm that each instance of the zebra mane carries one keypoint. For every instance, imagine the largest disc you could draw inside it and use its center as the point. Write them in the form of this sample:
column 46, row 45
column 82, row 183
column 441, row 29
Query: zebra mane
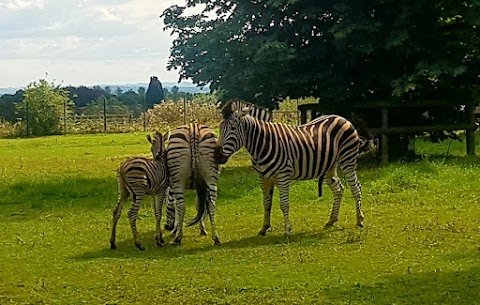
column 231, row 107
column 242, row 107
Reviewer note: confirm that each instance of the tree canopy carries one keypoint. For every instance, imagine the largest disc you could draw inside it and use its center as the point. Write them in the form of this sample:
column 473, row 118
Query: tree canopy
column 341, row 52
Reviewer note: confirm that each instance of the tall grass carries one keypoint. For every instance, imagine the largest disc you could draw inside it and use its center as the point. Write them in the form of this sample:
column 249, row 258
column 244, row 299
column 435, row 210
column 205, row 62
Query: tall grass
column 421, row 243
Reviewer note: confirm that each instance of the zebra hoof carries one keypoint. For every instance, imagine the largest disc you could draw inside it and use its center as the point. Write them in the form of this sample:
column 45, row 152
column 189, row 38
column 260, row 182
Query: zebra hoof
column 216, row 242
column 160, row 242
column 176, row 242
column 329, row 224
column 113, row 246
column 263, row 231
column 139, row 246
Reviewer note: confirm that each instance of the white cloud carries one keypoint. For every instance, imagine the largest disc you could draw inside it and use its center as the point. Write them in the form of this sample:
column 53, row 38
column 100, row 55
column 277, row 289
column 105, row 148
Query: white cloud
column 22, row 4
column 107, row 40
column 104, row 14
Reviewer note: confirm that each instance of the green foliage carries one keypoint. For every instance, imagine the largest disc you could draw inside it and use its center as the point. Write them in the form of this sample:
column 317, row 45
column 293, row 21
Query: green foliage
column 7, row 106
column 170, row 114
column 291, row 104
column 420, row 244
column 342, row 53
column 111, row 105
column 42, row 107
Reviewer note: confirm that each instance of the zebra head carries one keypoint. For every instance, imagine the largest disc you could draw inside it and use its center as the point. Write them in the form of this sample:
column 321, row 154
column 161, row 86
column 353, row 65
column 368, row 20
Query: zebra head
column 158, row 144
column 232, row 135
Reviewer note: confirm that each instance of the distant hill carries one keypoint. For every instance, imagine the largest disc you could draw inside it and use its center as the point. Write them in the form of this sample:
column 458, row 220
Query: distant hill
column 185, row 87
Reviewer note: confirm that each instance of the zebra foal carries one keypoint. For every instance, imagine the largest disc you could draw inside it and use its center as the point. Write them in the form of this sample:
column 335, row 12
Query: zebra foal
column 138, row 177
column 282, row 153
column 191, row 165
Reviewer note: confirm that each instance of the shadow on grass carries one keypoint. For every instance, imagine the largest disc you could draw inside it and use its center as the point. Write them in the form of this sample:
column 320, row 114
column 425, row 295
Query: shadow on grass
column 126, row 248
column 435, row 287
column 60, row 192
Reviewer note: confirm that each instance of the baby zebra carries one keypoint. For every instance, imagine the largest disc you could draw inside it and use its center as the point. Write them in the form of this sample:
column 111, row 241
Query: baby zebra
column 140, row 176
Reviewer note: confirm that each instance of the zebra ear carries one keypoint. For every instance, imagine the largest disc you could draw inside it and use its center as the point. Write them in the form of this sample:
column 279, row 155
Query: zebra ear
column 166, row 136
column 245, row 110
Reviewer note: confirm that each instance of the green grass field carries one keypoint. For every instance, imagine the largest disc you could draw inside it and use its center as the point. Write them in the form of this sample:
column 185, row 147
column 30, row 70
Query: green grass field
column 420, row 245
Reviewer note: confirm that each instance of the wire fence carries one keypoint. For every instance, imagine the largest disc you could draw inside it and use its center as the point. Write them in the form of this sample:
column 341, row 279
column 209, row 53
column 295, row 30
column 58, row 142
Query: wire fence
column 164, row 116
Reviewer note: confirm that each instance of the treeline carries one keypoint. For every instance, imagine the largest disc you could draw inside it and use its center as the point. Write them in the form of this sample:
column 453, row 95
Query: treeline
column 92, row 100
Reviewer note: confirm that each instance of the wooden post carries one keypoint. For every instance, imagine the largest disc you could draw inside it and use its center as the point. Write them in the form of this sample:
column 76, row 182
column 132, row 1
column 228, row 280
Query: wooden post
column 104, row 114
column 184, row 110
column 384, row 136
column 470, row 133
column 303, row 116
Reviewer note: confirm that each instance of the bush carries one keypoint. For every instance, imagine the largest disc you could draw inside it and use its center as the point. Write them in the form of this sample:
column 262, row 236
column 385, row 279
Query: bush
column 169, row 115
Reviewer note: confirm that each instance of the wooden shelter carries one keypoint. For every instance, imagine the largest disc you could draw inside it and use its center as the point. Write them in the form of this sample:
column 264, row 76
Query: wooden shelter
column 388, row 120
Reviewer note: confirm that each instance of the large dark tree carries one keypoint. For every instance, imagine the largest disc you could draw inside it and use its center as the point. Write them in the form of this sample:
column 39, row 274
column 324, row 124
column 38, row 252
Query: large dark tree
column 7, row 106
column 82, row 95
column 342, row 52
column 154, row 92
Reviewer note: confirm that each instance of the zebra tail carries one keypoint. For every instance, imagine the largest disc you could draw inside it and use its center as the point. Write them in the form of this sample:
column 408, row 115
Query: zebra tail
column 202, row 195
column 320, row 182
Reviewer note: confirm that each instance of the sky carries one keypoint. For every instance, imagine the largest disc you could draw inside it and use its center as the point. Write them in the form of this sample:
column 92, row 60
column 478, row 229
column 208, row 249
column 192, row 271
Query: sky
column 84, row 42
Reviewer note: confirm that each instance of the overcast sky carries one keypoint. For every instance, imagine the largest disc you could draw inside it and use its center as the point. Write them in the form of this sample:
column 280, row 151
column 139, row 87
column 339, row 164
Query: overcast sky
column 83, row 42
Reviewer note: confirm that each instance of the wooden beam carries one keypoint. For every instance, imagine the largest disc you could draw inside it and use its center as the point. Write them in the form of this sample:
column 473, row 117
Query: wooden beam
column 384, row 136
column 415, row 129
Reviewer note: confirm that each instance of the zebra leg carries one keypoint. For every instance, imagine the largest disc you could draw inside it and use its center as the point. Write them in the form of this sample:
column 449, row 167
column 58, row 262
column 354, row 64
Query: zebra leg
column 170, row 211
column 158, row 204
column 117, row 211
column 267, row 189
column 179, row 217
column 132, row 216
column 356, row 188
column 201, row 225
column 333, row 182
column 284, row 189
column 212, row 198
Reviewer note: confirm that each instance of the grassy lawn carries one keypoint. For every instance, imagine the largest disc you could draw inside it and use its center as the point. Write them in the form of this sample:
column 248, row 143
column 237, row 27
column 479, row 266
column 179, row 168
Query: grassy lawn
column 420, row 244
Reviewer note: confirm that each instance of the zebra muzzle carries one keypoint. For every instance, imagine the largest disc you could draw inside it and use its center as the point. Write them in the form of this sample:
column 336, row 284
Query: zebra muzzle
column 219, row 156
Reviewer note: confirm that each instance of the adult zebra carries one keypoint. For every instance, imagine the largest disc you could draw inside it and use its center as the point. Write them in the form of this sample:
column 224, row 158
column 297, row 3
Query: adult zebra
column 139, row 176
column 191, row 165
column 258, row 112
column 282, row 153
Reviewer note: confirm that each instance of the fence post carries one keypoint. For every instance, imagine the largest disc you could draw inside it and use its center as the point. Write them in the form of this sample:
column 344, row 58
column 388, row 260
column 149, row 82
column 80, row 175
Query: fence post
column 144, row 113
column 104, row 114
column 184, row 110
column 64, row 117
column 27, row 117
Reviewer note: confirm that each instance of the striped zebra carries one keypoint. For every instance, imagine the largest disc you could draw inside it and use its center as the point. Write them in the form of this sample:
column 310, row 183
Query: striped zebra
column 191, row 165
column 258, row 112
column 282, row 153
column 138, row 177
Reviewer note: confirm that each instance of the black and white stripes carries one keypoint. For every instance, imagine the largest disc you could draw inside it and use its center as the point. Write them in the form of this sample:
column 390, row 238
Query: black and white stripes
column 281, row 153
column 138, row 177
column 191, row 165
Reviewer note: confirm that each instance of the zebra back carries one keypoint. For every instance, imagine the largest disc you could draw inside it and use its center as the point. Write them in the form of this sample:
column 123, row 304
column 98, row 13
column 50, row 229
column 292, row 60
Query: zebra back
column 191, row 164
column 141, row 175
